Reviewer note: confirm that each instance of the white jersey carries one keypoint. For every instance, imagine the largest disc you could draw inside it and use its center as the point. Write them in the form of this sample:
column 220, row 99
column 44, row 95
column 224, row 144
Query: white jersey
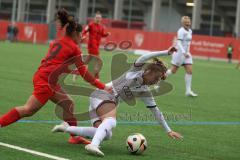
column 184, row 38
column 129, row 87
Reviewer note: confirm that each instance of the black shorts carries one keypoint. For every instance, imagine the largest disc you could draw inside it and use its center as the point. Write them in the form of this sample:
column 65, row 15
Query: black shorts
column 229, row 55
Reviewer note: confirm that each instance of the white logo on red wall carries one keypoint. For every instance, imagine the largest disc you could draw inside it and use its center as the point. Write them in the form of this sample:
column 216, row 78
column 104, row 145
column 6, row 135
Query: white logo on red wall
column 139, row 38
column 204, row 46
column 28, row 31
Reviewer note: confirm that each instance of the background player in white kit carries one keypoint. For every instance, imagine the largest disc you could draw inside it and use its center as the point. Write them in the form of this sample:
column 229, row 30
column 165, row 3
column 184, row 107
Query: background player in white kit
column 183, row 55
column 103, row 105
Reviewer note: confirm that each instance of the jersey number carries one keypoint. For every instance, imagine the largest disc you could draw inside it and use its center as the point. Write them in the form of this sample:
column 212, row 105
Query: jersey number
column 54, row 50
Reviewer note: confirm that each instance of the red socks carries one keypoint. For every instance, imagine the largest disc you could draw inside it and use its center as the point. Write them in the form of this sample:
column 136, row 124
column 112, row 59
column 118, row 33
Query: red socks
column 97, row 75
column 72, row 122
column 9, row 118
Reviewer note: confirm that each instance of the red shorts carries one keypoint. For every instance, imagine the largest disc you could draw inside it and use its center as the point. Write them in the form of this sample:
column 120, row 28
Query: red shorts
column 42, row 90
column 93, row 49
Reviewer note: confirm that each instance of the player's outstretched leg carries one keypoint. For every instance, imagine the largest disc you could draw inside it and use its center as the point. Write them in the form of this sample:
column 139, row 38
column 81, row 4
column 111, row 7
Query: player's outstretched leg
column 87, row 132
column 65, row 102
column 31, row 107
column 107, row 112
column 61, row 128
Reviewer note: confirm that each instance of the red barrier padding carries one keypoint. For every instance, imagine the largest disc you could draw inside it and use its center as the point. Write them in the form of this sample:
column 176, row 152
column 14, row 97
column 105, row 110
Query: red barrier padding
column 28, row 32
column 206, row 46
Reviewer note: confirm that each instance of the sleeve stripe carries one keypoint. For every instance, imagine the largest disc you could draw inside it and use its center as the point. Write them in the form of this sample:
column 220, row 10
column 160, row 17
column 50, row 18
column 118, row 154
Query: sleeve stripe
column 151, row 106
column 138, row 65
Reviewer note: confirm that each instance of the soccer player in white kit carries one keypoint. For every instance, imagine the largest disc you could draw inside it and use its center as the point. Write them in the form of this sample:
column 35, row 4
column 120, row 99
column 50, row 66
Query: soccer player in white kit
column 183, row 55
column 103, row 105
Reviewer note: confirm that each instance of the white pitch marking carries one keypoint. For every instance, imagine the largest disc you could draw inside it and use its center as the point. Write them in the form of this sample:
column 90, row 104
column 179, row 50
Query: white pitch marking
column 32, row 151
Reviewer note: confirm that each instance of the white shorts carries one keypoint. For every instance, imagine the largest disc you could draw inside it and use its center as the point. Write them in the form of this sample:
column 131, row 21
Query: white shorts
column 179, row 59
column 97, row 98
column 94, row 103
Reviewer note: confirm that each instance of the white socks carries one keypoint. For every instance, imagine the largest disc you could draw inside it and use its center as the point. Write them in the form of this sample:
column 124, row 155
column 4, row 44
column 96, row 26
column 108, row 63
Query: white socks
column 103, row 132
column 104, row 129
column 87, row 132
column 188, row 82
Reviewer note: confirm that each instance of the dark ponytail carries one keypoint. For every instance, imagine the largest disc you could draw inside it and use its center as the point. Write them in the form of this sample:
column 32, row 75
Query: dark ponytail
column 62, row 16
column 68, row 20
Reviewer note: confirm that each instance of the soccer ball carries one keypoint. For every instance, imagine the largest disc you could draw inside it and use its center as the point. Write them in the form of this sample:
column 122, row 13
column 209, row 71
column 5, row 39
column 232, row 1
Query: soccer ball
column 136, row 143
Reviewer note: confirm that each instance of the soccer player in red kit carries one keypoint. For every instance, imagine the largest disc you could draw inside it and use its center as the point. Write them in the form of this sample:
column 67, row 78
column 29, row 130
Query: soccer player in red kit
column 61, row 53
column 96, row 31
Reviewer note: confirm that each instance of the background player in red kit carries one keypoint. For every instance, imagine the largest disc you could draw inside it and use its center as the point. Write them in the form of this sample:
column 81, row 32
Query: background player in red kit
column 61, row 53
column 96, row 31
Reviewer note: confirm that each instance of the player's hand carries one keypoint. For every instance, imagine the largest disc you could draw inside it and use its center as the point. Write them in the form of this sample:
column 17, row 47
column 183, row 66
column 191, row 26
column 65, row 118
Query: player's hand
column 108, row 88
column 175, row 135
column 83, row 38
column 108, row 33
column 171, row 50
column 187, row 56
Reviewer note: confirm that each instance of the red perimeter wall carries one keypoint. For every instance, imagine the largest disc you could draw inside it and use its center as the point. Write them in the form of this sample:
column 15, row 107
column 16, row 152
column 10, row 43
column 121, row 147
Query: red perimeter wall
column 207, row 46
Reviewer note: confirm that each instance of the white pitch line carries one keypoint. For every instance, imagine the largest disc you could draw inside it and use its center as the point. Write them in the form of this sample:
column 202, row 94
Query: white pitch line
column 32, row 151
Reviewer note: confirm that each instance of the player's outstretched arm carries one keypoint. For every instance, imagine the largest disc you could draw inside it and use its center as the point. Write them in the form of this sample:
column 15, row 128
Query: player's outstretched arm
column 175, row 135
column 160, row 118
column 151, row 55
column 86, row 75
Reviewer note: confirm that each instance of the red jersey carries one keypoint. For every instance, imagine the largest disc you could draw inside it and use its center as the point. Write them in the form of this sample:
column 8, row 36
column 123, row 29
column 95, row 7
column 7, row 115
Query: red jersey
column 61, row 54
column 96, row 32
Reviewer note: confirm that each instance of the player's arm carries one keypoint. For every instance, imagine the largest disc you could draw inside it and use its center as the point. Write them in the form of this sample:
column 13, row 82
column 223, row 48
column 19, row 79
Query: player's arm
column 160, row 118
column 158, row 115
column 84, row 32
column 104, row 33
column 180, row 37
column 142, row 59
column 87, row 76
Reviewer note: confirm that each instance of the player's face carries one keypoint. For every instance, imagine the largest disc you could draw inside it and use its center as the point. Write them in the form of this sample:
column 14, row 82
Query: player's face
column 187, row 23
column 98, row 18
column 151, row 78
